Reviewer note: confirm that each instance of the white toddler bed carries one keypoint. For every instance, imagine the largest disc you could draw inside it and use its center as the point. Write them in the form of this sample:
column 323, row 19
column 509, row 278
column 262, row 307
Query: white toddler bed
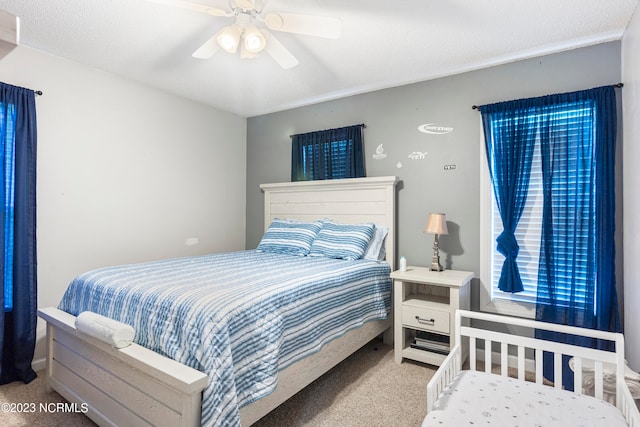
column 474, row 396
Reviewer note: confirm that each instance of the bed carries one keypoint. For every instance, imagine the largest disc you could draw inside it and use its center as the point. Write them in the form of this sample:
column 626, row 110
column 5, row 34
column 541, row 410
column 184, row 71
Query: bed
column 508, row 388
column 138, row 386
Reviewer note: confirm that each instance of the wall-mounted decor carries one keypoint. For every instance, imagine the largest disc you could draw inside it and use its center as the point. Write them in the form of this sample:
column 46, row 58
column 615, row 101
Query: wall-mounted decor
column 417, row 155
column 434, row 129
column 379, row 154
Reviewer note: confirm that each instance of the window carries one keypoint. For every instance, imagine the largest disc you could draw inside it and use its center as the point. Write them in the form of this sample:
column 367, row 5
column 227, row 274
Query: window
column 328, row 154
column 7, row 121
column 329, row 157
column 573, row 122
column 18, row 243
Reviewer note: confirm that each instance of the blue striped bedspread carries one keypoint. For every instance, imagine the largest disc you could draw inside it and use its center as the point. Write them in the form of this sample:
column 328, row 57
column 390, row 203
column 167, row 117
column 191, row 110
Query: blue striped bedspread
column 239, row 317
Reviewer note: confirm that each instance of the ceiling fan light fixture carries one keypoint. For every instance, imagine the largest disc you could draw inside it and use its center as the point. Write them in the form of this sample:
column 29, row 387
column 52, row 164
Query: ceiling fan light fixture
column 245, row 54
column 251, row 41
column 229, row 39
column 254, row 40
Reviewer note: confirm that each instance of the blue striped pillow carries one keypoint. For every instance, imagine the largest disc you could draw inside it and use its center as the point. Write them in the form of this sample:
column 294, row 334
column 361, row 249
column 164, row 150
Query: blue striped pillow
column 285, row 236
column 342, row 241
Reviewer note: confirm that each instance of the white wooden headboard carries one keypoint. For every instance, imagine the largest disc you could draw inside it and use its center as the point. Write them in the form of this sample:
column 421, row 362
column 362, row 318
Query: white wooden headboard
column 349, row 201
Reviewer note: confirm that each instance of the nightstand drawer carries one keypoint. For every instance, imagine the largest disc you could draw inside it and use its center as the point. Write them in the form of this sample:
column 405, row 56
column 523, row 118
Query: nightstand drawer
column 427, row 319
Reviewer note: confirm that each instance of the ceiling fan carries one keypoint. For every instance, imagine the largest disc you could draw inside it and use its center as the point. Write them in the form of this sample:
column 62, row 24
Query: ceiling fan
column 248, row 33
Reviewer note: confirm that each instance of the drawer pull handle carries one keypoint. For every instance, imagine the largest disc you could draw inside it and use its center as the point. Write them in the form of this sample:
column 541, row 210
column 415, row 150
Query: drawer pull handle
column 426, row 321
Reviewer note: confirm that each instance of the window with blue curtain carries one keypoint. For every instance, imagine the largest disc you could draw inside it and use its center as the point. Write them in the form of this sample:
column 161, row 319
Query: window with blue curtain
column 552, row 164
column 577, row 123
column 18, row 267
column 328, row 154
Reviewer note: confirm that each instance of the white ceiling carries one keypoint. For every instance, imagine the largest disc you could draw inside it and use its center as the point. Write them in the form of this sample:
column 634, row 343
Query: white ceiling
column 384, row 43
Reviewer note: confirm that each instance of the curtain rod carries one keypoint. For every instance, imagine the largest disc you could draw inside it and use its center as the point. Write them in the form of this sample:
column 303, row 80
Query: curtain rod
column 361, row 124
column 618, row 85
column 38, row 92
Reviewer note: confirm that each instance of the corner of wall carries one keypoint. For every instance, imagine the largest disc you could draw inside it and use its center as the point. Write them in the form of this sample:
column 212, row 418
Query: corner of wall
column 631, row 178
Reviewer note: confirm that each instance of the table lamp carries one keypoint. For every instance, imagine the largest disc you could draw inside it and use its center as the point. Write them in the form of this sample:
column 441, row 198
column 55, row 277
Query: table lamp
column 436, row 224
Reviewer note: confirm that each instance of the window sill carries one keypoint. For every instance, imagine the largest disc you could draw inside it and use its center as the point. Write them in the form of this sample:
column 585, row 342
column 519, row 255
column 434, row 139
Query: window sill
column 510, row 308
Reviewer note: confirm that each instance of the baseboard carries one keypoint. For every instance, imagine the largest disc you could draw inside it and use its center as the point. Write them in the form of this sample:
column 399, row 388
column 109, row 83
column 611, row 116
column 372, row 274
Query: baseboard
column 39, row 364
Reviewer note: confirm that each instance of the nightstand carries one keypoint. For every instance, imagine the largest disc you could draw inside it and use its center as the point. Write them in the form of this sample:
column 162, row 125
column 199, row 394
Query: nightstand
column 424, row 306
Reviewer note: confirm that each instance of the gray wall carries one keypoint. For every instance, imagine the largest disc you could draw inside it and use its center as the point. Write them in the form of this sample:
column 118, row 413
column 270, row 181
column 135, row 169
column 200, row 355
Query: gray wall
column 392, row 117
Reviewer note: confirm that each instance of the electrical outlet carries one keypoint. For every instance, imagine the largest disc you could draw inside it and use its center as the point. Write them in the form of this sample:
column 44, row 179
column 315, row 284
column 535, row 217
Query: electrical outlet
column 192, row 241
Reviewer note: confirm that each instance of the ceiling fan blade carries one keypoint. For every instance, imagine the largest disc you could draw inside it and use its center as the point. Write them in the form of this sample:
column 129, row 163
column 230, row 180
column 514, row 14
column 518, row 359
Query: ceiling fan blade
column 196, row 7
column 208, row 49
column 278, row 52
column 319, row 26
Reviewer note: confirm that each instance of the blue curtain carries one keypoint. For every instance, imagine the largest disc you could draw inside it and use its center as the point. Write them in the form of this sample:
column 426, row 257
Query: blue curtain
column 576, row 278
column 509, row 131
column 18, row 319
column 328, row 154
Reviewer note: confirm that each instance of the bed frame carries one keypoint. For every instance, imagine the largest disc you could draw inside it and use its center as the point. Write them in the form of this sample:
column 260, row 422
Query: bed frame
column 135, row 386
column 520, row 338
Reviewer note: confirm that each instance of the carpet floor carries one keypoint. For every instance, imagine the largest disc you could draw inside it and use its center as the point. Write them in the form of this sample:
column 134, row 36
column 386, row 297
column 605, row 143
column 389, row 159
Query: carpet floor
column 367, row 389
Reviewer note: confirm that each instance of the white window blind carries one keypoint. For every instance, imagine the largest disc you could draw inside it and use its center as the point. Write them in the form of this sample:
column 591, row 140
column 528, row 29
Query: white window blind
column 334, row 156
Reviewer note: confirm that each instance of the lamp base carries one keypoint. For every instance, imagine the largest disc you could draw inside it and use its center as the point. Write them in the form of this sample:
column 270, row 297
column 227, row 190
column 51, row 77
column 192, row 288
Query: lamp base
column 435, row 260
column 435, row 264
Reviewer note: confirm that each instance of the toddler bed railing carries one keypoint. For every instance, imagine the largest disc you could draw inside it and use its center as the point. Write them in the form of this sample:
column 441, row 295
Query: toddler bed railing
column 517, row 353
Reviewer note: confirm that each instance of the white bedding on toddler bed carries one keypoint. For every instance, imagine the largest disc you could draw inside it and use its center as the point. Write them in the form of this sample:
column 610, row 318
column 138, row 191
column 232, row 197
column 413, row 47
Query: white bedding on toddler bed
column 488, row 399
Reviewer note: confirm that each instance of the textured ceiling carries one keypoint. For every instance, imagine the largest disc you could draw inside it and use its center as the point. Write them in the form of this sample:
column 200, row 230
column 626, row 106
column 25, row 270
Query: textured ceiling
column 383, row 43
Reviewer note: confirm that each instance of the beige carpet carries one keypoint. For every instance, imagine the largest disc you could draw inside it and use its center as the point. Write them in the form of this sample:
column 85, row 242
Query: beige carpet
column 367, row 389
column 27, row 409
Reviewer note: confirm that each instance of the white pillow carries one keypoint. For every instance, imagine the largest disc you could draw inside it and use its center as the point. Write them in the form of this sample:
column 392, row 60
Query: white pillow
column 376, row 250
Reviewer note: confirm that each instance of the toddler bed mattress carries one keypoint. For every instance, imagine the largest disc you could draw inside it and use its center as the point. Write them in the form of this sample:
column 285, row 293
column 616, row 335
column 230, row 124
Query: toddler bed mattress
column 480, row 398
column 239, row 317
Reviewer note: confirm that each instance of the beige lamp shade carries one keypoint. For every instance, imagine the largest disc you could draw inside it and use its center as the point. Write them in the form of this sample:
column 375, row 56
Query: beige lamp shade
column 436, row 224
